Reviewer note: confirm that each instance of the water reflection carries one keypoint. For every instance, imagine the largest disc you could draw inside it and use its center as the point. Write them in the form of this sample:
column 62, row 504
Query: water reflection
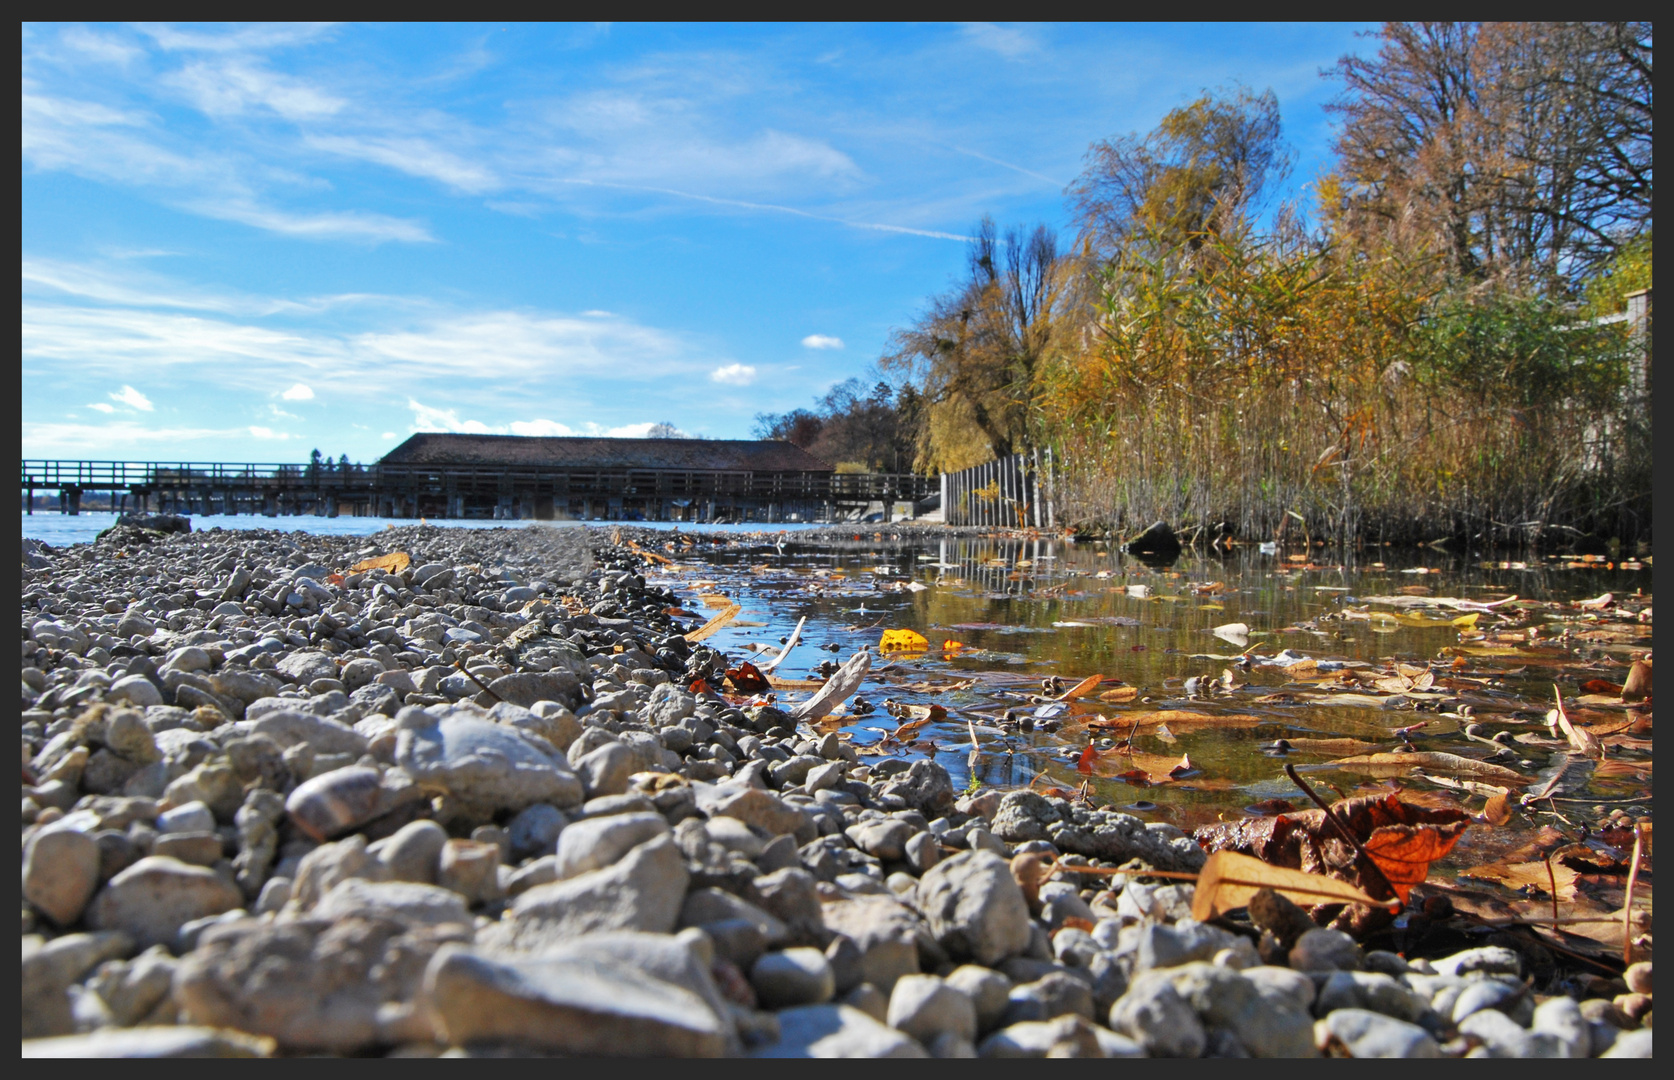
column 1020, row 610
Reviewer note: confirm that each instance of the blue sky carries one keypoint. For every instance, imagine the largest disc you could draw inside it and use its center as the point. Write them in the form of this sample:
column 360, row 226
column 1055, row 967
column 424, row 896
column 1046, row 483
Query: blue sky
column 241, row 243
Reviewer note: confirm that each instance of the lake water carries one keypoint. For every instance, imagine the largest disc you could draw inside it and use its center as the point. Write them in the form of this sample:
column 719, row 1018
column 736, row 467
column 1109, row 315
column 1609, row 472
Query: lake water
column 1024, row 611
column 62, row 529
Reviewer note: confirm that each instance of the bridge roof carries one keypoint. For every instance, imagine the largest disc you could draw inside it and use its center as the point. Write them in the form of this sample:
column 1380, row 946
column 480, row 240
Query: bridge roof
column 730, row 455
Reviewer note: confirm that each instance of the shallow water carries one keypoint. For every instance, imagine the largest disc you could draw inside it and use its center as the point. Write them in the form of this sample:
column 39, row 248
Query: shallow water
column 63, row 529
column 1029, row 610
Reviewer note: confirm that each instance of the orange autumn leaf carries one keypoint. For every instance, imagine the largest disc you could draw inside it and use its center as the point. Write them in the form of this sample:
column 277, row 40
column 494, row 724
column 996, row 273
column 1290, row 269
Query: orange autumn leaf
column 1401, row 838
column 1085, row 686
column 746, row 678
column 393, row 563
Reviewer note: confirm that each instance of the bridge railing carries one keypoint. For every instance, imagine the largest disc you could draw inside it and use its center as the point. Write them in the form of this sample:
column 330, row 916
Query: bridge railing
column 473, row 477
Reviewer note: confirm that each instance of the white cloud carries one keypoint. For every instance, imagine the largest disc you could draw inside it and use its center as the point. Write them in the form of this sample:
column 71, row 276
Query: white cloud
column 541, row 428
column 233, row 87
column 1008, row 41
column 104, row 407
column 822, row 341
column 299, row 392
column 258, row 432
column 282, row 414
column 415, row 157
column 387, row 435
column 133, row 399
column 734, row 375
column 73, row 440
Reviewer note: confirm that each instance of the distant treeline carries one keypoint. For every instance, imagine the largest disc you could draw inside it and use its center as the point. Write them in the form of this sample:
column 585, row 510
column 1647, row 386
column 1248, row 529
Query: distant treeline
column 1414, row 351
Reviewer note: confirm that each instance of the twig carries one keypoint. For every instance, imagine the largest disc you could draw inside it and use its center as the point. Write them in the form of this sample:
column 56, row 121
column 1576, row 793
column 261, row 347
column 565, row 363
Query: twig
column 479, row 682
column 1552, row 877
column 1342, row 828
column 1627, row 907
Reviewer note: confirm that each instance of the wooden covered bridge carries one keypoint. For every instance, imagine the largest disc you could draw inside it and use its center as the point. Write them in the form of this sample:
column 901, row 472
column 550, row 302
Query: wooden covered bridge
column 505, row 477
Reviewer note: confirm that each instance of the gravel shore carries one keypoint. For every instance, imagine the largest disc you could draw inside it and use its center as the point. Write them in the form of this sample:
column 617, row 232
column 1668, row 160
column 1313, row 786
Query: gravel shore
column 274, row 806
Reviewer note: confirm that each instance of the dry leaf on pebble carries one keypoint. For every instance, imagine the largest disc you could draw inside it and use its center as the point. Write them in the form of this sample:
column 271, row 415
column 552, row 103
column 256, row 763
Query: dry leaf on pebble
column 1228, row 880
column 393, row 563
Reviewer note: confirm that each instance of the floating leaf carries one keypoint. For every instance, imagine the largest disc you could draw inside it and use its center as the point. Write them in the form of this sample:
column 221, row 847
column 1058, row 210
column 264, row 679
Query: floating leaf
column 393, row 563
column 1120, row 694
column 1465, row 622
column 1526, row 876
column 1084, row 687
column 719, row 621
column 1399, row 764
column 902, row 641
column 1229, row 880
column 1581, row 740
column 1497, row 811
column 1236, row 632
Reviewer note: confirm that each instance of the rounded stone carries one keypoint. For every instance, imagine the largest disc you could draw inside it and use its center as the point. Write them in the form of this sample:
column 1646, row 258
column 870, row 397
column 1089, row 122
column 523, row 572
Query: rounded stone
column 60, row 872
column 793, row 977
column 926, row 1008
column 152, row 899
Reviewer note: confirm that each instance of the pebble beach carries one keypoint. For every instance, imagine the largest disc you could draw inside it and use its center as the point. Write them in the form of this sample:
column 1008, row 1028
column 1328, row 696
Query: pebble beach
column 464, row 801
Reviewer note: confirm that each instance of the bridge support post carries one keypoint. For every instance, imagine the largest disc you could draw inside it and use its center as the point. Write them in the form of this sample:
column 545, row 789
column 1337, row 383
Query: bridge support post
column 70, row 500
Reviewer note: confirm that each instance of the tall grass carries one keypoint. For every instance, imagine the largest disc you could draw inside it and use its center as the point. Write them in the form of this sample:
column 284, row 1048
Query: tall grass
column 1253, row 385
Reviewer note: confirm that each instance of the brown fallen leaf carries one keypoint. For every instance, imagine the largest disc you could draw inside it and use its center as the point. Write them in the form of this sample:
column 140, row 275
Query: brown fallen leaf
column 1400, row 838
column 1176, row 719
column 1120, row 694
column 1400, row 764
column 393, row 563
column 1522, row 876
column 1228, row 880
column 1497, row 811
column 1085, row 686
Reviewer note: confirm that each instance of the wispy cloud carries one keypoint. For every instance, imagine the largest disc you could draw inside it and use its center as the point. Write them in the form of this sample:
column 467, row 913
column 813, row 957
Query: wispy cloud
column 415, row 157
column 1010, row 42
column 822, row 341
column 432, row 418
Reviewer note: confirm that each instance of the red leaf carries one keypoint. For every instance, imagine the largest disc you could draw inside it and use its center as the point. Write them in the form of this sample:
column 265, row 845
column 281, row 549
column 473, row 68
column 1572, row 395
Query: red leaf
column 698, row 686
column 748, row 679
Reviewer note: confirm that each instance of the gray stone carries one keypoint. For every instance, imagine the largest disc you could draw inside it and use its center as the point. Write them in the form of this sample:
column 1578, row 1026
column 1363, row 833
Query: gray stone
column 338, row 801
column 1559, row 1019
column 884, row 838
column 1067, row 1036
column 1488, row 959
column 799, row 976
column 199, row 849
column 629, row 802
column 737, row 940
column 926, row 1008
column 535, row 829
column 483, row 763
column 703, row 907
column 60, row 872
column 193, row 817
column 885, row 932
column 1060, row 902
column 290, row 726
column 577, row 1005
column 1638, row 977
column 1050, row 996
column 307, row 666
column 922, row 852
column 1154, row 1015
column 605, row 771
column 1374, row 991
column 151, row 900
column 792, row 895
column 1322, row 949
column 599, row 842
column 643, row 891
column 974, row 907
column 135, row 690
column 152, row 1042
column 315, row 985
column 1489, row 993
column 1499, row 1034
column 1161, row 946
column 131, row 990
column 414, row 852
column 763, row 809
column 988, row 991
column 408, row 903
column 525, row 688
column 1283, row 985
column 1631, row 1044
column 322, row 869
column 837, row 1031
column 49, row 968
column 925, row 787
column 1366, row 1034
column 1224, row 999
column 471, row 868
